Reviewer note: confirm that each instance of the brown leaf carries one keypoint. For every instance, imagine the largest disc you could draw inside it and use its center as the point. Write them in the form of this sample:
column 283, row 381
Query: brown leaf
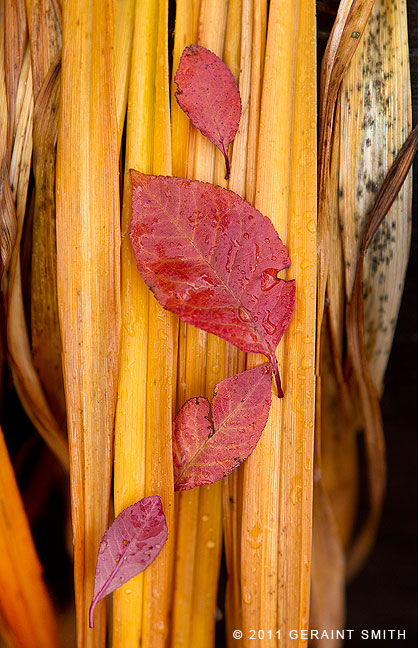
column 374, row 438
column 348, row 28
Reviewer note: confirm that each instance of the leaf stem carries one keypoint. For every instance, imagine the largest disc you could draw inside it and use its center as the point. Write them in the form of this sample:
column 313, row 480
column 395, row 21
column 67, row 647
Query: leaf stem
column 228, row 167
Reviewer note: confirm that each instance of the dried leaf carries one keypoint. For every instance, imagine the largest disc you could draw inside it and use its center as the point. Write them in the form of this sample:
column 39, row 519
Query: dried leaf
column 374, row 438
column 208, row 94
column 328, row 570
column 348, row 28
column 212, row 258
column 131, row 543
column 210, row 442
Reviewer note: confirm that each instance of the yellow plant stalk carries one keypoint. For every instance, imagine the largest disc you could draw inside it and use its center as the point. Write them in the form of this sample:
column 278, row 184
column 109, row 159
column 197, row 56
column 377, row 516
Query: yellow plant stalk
column 335, row 493
column 16, row 100
column 161, row 379
column 130, row 426
column 257, row 66
column 198, row 521
column 151, row 97
column 327, row 610
column 232, row 47
column 221, row 358
column 239, row 60
column 187, row 13
column 88, row 242
column 46, row 339
column 25, row 605
column 182, row 138
column 25, row 377
column 7, row 216
column 336, row 425
column 45, row 44
column 277, row 508
column 124, row 24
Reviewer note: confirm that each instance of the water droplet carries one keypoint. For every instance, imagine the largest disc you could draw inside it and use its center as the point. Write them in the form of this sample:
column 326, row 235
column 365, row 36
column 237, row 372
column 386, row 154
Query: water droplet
column 255, row 536
column 305, row 265
column 210, row 544
column 103, row 546
column 268, row 278
column 269, row 326
column 243, row 314
column 130, row 328
column 246, row 597
column 159, row 627
column 205, row 518
column 311, row 226
column 306, row 362
column 296, row 490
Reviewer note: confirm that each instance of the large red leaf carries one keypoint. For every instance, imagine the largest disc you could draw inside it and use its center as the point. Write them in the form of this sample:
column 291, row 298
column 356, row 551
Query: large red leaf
column 130, row 544
column 208, row 444
column 208, row 93
column 212, row 259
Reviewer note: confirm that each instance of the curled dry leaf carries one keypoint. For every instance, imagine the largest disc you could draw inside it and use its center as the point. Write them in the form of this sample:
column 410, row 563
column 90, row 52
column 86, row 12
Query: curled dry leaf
column 210, row 442
column 131, row 543
column 212, row 259
column 208, row 94
column 374, row 436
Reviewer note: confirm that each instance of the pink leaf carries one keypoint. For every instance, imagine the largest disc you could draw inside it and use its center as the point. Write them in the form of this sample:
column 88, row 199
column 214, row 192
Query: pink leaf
column 212, row 259
column 208, row 93
column 207, row 444
column 130, row 544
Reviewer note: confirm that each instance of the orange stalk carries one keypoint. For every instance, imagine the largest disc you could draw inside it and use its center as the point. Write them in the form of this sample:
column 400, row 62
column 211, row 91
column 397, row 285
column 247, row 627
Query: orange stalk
column 88, row 241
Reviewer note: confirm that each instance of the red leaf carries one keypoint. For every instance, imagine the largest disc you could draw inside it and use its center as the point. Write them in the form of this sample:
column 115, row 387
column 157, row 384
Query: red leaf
column 204, row 452
column 129, row 545
column 208, row 94
column 212, row 259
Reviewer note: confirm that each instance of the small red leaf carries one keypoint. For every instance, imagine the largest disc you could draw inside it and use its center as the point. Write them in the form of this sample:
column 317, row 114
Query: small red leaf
column 208, row 94
column 212, row 258
column 129, row 545
column 204, row 452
